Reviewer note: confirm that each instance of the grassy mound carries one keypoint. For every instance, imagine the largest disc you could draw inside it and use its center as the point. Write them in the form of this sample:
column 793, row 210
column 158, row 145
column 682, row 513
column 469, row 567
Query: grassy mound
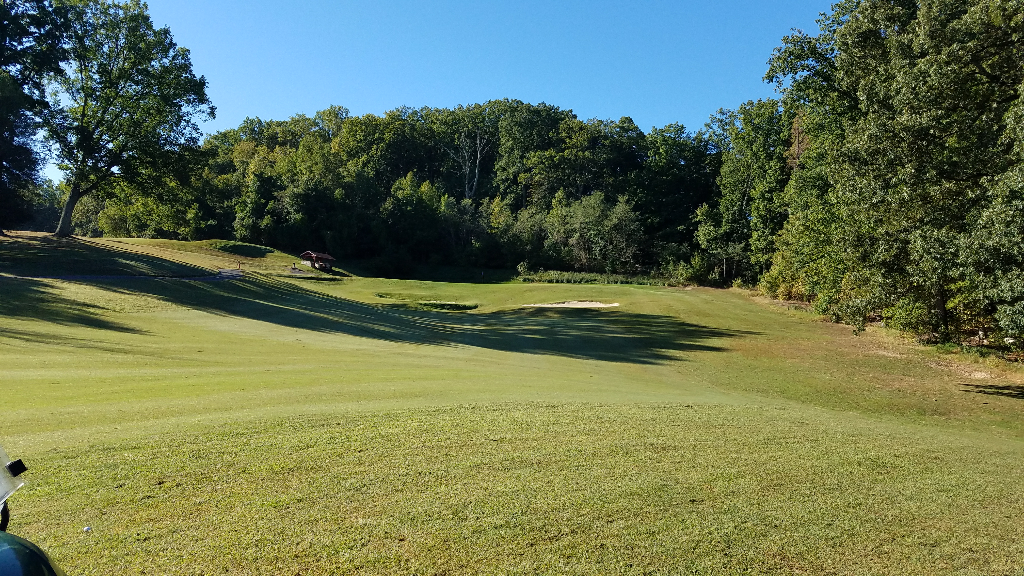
column 220, row 254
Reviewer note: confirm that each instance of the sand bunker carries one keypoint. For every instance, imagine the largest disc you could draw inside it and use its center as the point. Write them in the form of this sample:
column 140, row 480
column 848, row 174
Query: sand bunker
column 572, row 304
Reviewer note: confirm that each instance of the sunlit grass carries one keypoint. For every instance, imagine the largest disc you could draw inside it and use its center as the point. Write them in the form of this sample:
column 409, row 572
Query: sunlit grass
column 275, row 426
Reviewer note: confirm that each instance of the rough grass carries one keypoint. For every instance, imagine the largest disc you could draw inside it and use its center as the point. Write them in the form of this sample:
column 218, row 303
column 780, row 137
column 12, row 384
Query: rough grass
column 276, row 426
column 560, row 277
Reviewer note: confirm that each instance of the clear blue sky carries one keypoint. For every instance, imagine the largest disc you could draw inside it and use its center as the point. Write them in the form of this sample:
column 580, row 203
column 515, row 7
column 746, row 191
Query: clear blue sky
column 656, row 61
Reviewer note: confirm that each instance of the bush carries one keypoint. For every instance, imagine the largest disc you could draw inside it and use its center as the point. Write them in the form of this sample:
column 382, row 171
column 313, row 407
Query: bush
column 558, row 277
column 909, row 316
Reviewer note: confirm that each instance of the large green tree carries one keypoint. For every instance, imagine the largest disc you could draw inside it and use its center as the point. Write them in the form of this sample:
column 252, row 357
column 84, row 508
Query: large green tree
column 679, row 177
column 125, row 110
column 913, row 106
column 740, row 229
column 469, row 136
column 30, row 47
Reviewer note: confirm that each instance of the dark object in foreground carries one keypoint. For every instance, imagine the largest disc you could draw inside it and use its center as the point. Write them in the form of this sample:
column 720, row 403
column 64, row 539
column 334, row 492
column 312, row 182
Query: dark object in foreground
column 16, row 468
column 17, row 555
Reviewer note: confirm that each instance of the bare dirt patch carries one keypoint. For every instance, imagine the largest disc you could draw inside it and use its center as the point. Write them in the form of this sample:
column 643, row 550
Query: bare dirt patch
column 888, row 353
column 965, row 371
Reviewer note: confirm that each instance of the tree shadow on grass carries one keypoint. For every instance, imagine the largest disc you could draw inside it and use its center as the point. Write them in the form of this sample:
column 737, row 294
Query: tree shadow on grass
column 48, row 338
column 607, row 335
column 1008, row 390
column 28, row 298
column 40, row 255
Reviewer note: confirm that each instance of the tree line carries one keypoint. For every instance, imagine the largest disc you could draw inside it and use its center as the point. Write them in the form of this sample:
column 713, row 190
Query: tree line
column 886, row 183
column 497, row 184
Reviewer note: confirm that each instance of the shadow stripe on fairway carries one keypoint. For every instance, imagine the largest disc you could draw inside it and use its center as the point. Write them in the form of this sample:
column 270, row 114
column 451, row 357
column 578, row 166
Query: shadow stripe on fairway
column 220, row 276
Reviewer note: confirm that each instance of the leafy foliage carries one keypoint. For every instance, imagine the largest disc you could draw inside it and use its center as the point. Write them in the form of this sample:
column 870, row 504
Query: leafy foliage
column 30, row 47
column 905, row 202
column 493, row 184
column 124, row 108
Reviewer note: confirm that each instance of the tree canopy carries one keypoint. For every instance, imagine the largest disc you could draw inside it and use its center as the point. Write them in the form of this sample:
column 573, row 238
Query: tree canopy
column 125, row 107
column 905, row 201
column 30, row 48
column 498, row 184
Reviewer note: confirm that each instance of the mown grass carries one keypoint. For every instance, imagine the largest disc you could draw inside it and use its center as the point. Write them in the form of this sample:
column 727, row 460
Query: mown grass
column 279, row 426
column 538, row 488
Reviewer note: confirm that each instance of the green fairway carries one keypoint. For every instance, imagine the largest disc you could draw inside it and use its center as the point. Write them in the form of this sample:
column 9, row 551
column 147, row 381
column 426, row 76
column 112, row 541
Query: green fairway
column 288, row 424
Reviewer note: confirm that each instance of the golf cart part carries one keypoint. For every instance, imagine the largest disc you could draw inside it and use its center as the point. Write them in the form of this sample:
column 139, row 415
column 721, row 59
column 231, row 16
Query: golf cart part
column 5, row 517
column 16, row 468
column 19, row 556
column 8, row 483
column 8, row 486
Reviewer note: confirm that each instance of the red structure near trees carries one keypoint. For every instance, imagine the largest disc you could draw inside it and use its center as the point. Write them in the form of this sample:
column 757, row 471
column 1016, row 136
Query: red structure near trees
column 317, row 260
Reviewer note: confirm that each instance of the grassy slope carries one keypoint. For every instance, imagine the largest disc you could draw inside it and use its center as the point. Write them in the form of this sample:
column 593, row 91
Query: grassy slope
column 213, row 253
column 286, row 426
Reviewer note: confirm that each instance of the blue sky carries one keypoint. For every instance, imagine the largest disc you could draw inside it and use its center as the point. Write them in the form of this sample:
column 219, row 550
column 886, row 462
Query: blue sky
column 656, row 61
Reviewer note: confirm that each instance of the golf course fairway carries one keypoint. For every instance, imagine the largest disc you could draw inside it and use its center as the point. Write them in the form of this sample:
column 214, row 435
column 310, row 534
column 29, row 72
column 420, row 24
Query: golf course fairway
column 275, row 422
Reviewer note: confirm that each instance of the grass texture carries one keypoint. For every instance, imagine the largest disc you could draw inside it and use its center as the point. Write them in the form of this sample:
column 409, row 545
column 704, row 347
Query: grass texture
column 280, row 425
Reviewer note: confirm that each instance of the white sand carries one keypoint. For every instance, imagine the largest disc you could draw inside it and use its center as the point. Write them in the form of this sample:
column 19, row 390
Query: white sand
column 573, row 304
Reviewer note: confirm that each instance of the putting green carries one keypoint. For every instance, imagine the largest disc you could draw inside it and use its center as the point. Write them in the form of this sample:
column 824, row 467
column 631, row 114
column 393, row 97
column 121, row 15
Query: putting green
column 279, row 424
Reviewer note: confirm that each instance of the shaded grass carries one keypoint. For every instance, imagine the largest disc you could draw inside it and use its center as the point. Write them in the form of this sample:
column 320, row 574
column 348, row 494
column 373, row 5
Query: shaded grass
column 37, row 254
column 614, row 336
column 1008, row 390
column 40, row 300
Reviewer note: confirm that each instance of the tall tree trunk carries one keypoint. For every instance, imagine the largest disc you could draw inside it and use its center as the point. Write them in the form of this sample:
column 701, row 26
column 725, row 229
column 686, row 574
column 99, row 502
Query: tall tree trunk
column 476, row 174
column 941, row 301
column 64, row 228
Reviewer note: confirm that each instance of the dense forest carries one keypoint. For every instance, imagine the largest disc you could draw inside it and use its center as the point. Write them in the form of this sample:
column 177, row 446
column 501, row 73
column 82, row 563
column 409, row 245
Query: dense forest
column 494, row 184
column 886, row 183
